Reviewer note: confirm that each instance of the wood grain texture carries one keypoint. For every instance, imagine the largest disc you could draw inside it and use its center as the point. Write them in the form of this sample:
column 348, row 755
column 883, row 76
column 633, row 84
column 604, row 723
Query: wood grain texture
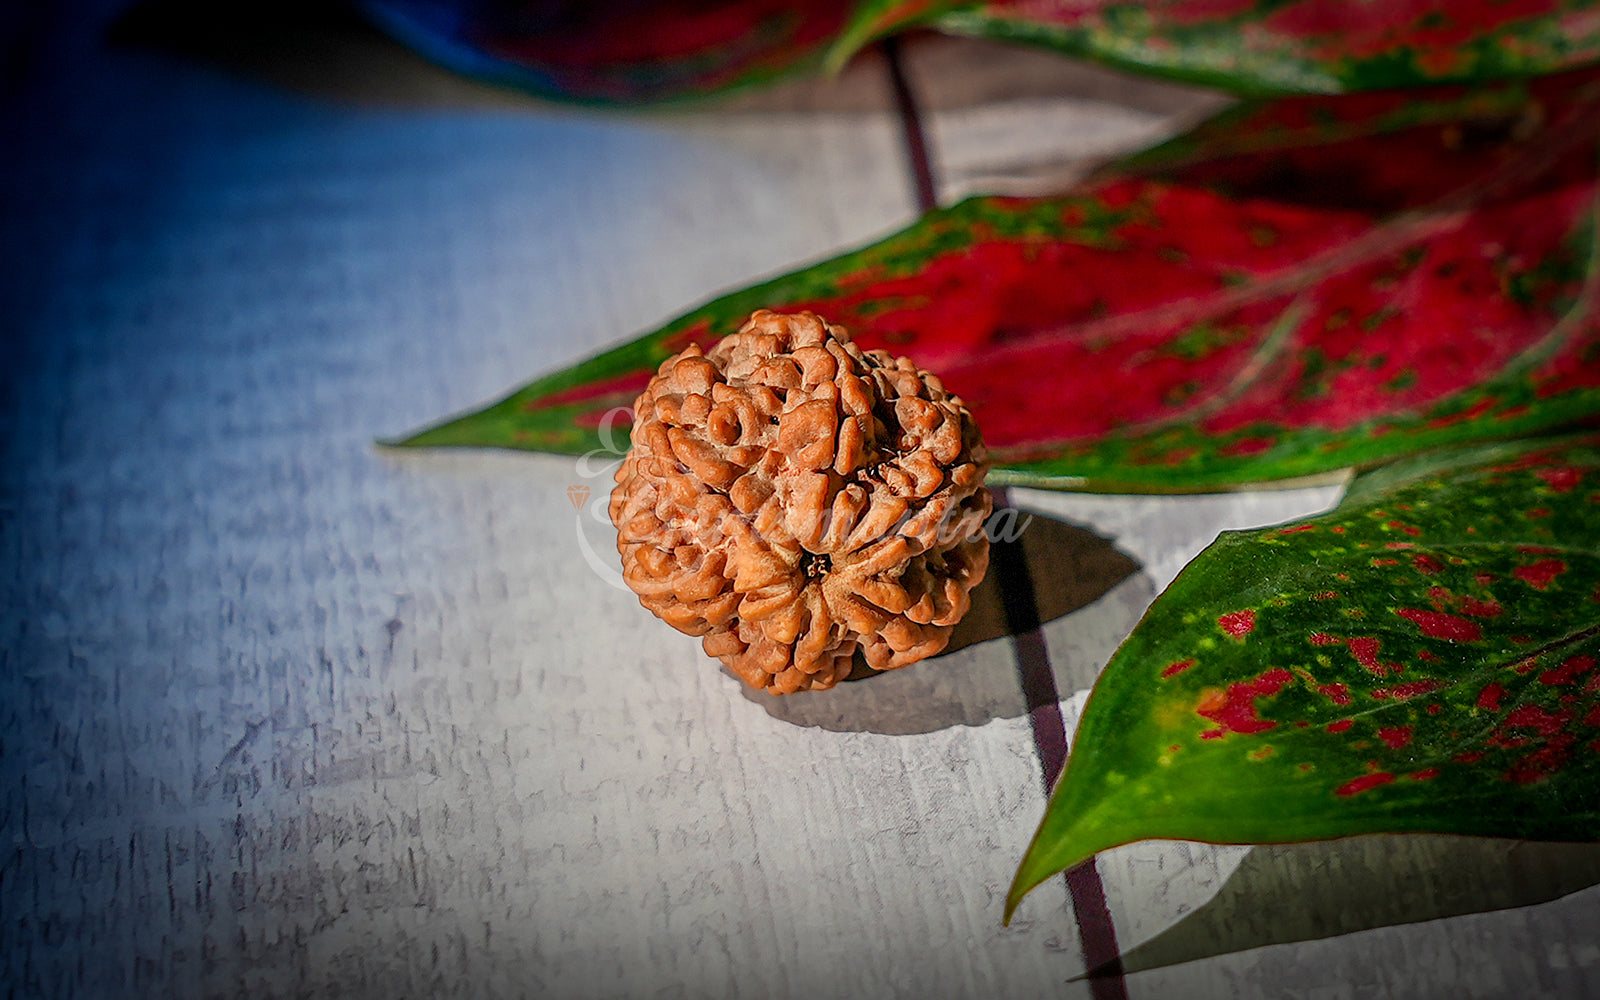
column 282, row 714
column 287, row 715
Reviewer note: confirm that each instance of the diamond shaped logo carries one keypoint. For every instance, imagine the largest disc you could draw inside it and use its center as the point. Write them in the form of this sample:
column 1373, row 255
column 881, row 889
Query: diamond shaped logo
column 579, row 495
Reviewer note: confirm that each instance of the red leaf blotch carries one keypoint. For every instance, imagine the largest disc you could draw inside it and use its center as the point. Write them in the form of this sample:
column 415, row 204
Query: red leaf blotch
column 1234, row 711
column 1561, row 480
column 1248, row 446
column 1336, row 693
column 1489, row 697
column 1395, row 737
column 1238, row 624
column 1570, row 670
column 1365, row 649
column 1179, row 667
column 1426, row 564
column 1544, row 762
column 1438, row 625
column 1481, row 609
column 1541, row 574
column 1363, row 783
column 1538, row 718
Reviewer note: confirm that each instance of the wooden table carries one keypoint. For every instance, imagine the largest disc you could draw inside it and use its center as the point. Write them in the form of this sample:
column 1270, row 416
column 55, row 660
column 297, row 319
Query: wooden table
column 284, row 714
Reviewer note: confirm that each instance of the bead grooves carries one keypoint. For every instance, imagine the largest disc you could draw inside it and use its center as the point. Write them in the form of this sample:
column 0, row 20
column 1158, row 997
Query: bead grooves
column 791, row 498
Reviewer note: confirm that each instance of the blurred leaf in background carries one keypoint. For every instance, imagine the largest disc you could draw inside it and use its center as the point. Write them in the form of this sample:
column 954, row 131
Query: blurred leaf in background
column 617, row 52
column 1273, row 47
column 641, row 50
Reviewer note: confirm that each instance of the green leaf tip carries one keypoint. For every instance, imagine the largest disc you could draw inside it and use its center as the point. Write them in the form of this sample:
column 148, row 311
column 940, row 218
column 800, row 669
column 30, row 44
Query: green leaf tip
column 1042, row 860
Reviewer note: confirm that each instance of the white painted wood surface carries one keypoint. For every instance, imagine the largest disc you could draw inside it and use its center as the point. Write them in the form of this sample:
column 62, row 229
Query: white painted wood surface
column 282, row 714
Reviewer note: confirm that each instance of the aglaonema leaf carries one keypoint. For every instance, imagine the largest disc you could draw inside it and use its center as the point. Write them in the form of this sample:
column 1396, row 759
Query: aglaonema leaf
column 1286, row 46
column 1422, row 658
column 642, row 50
column 617, row 52
column 1295, row 287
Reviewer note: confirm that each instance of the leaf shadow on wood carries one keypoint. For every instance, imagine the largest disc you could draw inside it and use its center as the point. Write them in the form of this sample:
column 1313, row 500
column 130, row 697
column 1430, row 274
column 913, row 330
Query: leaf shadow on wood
column 1301, row 892
column 1071, row 568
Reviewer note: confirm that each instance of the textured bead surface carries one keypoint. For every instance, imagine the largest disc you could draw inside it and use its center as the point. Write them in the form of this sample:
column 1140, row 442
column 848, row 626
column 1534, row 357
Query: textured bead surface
column 791, row 498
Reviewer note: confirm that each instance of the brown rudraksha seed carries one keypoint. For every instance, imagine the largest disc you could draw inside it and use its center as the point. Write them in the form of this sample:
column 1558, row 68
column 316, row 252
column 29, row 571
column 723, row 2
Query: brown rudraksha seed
column 791, row 498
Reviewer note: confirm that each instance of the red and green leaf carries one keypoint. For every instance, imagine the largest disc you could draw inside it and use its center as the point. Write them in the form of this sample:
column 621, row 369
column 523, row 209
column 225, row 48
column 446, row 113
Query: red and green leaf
column 1426, row 657
column 1295, row 287
column 1274, row 47
column 640, row 50
column 617, row 52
